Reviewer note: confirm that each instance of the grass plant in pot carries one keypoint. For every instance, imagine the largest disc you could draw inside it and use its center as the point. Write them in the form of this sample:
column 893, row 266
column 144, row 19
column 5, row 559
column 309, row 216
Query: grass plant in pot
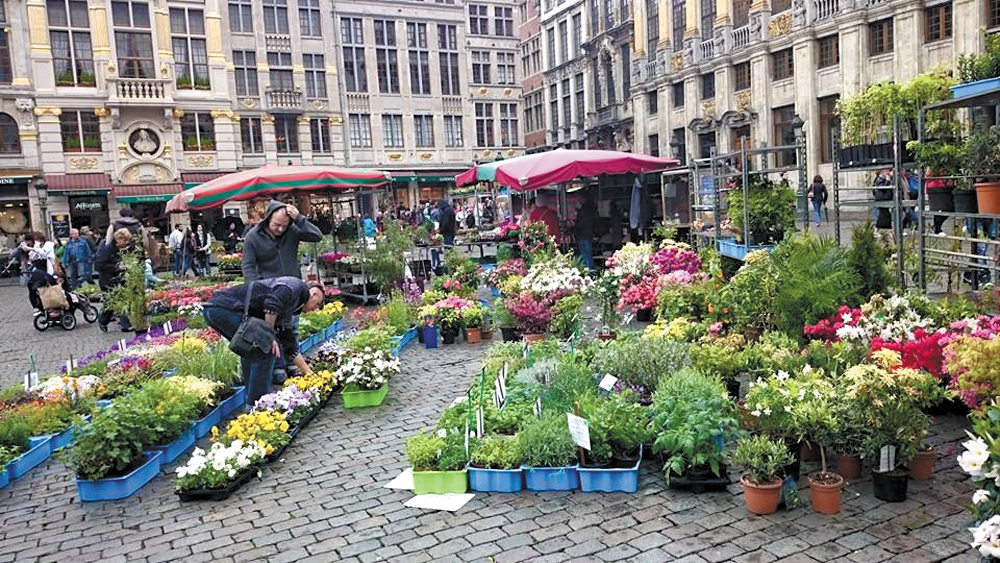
column 690, row 416
column 549, row 454
column 981, row 163
column 495, row 465
column 438, row 462
column 760, row 458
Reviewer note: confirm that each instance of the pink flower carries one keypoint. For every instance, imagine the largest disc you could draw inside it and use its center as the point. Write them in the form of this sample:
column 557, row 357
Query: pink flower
column 715, row 328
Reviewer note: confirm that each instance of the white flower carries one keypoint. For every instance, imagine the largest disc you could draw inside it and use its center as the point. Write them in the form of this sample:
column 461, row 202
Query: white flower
column 980, row 495
column 788, row 408
column 974, row 458
column 782, row 375
column 755, row 413
column 767, row 412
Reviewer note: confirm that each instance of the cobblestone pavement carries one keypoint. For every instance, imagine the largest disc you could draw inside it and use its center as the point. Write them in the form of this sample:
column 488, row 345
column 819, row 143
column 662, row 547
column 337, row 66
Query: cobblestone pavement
column 51, row 348
column 325, row 501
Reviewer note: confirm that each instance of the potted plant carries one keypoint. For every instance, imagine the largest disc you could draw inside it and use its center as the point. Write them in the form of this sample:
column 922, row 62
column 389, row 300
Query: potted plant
column 17, row 448
column 496, row 465
column 690, row 416
column 850, row 439
column 605, row 289
column 504, row 320
column 472, row 319
column 65, row 78
column 129, row 297
column 217, row 473
column 450, row 317
column 981, row 162
column 549, row 454
column 761, row 458
column 427, row 314
column 979, row 72
column 87, row 79
column 617, row 431
column 438, row 462
column 184, row 82
column 770, row 206
column 819, row 425
column 366, row 376
column 532, row 315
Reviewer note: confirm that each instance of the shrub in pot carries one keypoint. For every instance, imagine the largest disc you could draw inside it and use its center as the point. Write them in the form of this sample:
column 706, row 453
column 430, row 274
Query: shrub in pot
column 438, row 462
column 532, row 314
column 472, row 320
column 760, row 458
column 641, row 362
column 819, row 424
column 690, row 415
column 14, row 437
column 850, row 439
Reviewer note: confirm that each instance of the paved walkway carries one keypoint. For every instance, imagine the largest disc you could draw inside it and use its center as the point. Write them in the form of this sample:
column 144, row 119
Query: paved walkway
column 325, row 501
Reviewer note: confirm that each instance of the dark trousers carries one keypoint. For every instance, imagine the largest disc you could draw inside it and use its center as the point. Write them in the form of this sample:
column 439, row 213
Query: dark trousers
column 256, row 375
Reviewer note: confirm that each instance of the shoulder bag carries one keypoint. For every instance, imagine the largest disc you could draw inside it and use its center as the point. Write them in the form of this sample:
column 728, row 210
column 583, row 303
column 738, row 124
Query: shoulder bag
column 254, row 337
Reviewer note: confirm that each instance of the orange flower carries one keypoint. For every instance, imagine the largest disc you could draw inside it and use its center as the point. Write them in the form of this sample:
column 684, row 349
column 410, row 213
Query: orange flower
column 711, row 308
column 725, row 310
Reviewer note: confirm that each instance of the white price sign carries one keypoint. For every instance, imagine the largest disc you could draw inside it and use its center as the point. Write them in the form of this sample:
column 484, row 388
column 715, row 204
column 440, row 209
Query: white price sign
column 579, row 429
column 608, row 382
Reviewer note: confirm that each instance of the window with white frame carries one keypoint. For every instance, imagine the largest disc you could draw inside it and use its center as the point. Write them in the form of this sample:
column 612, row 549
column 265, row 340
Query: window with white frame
column 187, row 28
column 567, row 104
column 276, row 16
column 359, row 126
column 69, row 34
column 245, row 67
column 286, row 133
column 81, row 131
column 419, row 58
column 319, row 133
column 315, row 76
column 392, row 131
column 453, row 131
column 133, row 39
column 386, row 57
column 503, row 20
column 280, row 68
column 10, row 137
column 355, row 70
column 198, row 132
column 484, row 124
column 581, row 110
column 479, row 20
column 309, row 18
column 241, row 16
column 508, row 124
column 423, row 130
column 250, row 135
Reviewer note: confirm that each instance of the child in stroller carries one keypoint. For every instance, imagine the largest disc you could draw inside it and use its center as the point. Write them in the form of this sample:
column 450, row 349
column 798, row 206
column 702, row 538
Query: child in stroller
column 63, row 315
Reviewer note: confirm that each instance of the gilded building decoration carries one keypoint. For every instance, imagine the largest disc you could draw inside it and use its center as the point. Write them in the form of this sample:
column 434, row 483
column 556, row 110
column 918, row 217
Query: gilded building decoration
column 164, row 70
column 426, row 155
column 395, row 156
column 708, row 108
column 249, row 103
column 267, row 118
column 779, row 25
column 162, row 174
column 54, row 112
column 200, row 161
column 509, row 152
column 83, row 163
column 217, row 113
column 122, row 150
column 508, row 91
column 744, row 99
column 112, row 69
column 318, row 104
column 28, row 134
column 178, row 113
column 101, row 112
column 483, row 91
column 487, row 153
column 336, row 119
column 304, row 119
column 131, row 175
column 677, row 62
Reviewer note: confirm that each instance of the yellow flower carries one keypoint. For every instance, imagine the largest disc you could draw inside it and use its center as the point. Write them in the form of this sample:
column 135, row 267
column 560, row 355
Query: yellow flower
column 215, row 433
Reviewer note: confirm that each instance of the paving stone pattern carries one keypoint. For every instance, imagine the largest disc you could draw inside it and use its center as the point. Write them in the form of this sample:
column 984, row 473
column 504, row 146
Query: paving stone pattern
column 325, row 501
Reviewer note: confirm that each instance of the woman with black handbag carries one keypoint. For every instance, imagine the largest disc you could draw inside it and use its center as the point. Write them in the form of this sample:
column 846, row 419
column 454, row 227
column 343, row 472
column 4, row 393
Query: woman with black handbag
column 252, row 316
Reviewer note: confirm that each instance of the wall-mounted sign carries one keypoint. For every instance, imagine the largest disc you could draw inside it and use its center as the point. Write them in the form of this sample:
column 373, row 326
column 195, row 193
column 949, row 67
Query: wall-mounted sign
column 60, row 225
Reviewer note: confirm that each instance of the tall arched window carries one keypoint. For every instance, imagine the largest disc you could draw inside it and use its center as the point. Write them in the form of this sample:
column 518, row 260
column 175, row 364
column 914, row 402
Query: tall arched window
column 10, row 140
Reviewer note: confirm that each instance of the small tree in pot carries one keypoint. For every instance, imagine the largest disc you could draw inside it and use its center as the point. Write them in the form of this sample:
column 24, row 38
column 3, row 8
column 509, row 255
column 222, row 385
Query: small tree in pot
column 761, row 458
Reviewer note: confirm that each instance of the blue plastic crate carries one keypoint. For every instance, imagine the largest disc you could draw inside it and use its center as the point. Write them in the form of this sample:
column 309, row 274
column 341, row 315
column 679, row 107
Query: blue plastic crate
column 430, row 337
column 611, row 480
column 204, row 426
column 104, row 403
column 120, row 487
column 495, row 480
column 4, row 477
column 975, row 88
column 39, row 452
column 174, row 449
column 551, row 478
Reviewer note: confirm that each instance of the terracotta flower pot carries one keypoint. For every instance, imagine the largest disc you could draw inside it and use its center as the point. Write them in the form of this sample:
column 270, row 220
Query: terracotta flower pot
column 826, row 492
column 849, row 466
column 808, row 452
column 761, row 499
column 988, row 197
column 486, row 334
column 473, row 335
column 608, row 336
column 922, row 465
column 530, row 338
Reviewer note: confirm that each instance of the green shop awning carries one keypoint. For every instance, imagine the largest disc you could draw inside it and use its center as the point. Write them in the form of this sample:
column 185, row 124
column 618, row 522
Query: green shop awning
column 411, row 177
column 147, row 193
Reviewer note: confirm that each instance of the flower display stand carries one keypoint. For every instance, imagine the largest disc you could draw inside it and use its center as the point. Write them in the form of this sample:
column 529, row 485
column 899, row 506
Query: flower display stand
column 425, row 482
column 39, row 451
column 120, row 487
column 551, row 478
column 355, row 398
column 495, row 480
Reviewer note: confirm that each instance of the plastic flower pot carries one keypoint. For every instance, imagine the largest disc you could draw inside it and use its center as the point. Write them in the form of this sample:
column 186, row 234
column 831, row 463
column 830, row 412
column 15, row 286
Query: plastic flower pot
column 973, row 88
column 104, row 403
column 495, row 480
column 38, row 452
column 448, row 337
column 988, row 197
column 425, row 482
column 509, row 334
column 761, row 499
column 60, row 440
column 625, row 480
column 223, row 493
column 700, row 479
column 473, row 335
column 825, row 492
column 941, row 199
column 36, row 440
column 355, row 398
column 644, row 315
column 890, row 486
column 420, row 335
column 174, row 449
column 965, row 201
column 922, row 465
column 203, row 426
column 551, row 478
column 430, row 337
column 234, row 402
column 486, row 334
column 114, row 488
column 849, row 466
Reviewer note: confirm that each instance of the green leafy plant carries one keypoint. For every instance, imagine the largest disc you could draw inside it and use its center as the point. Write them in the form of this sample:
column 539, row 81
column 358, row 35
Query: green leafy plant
column 387, row 261
column 472, row 316
column 980, row 66
column 566, row 320
column 422, row 451
column 497, row 452
column 129, row 297
column 14, row 434
column 376, row 338
column 868, row 261
column 641, row 362
column 980, row 153
column 770, row 206
column 760, row 458
column 398, row 314
column 623, row 423
column 546, row 442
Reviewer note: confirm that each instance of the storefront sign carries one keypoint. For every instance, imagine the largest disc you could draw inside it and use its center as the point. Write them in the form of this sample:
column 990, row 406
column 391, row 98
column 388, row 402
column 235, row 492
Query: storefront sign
column 6, row 180
column 60, row 225
column 158, row 198
column 88, row 205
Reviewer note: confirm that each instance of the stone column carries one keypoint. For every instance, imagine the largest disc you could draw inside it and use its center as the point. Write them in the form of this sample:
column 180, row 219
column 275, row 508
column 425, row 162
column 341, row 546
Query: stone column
column 227, row 138
column 760, row 101
column 50, row 139
column 216, row 56
column 41, row 51
column 100, row 42
column 267, row 135
column 804, row 55
column 691, row 30
column 305, row 140
column 666, row 31
column 639, row 16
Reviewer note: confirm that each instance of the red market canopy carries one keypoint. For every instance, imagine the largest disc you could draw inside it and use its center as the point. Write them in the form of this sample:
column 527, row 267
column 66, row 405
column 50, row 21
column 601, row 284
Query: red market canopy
column 538, row 170
column 273, row 179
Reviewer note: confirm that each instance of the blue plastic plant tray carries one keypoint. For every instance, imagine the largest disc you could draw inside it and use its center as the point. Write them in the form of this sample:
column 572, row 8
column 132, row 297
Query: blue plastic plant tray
column 39, row 452
column 975, row 88
column 174, row 449
column 234, row 402
column 120, row 487
column 551, row 478
column 495, row 480
column 624, row 480
column 204, row 426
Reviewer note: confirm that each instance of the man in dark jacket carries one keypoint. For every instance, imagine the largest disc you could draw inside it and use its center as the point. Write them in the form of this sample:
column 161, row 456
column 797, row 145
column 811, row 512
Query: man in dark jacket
column 271, row 249
column 276, row 300
column 446, row 222
column 583, row 229
column 76, row 259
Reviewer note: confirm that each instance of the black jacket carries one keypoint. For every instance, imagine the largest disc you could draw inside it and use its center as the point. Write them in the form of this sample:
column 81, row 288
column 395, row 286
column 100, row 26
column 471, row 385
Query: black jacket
column 267, row 257
column 586, row 222
column 284, row 296
column 819, row 192
column 107, row 262
column 446, row 221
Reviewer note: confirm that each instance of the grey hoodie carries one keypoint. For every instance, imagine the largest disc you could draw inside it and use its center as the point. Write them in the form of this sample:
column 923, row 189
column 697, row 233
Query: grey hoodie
column 265, row 256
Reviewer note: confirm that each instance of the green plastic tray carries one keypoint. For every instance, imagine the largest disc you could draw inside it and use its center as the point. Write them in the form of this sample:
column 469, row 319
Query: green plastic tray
column 440, row 482
column 355, row 399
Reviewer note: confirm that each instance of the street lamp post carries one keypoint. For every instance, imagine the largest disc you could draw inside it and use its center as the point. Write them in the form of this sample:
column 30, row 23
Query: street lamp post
column 42, row 192
column 800, row 156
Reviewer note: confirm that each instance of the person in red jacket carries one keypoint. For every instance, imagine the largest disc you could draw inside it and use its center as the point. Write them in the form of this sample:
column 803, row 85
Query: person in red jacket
column 542, row 213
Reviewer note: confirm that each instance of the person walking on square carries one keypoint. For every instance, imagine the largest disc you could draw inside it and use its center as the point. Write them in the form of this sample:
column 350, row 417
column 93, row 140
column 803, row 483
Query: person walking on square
column 817, row 195
column 174, row 243
column 76, row 259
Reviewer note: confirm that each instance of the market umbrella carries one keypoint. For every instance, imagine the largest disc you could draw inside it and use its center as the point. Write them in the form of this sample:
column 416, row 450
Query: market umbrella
column 533, row 171
column 273, row 179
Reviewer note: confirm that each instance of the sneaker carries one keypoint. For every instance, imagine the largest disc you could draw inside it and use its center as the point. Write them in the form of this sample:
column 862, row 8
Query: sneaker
column 37, row 312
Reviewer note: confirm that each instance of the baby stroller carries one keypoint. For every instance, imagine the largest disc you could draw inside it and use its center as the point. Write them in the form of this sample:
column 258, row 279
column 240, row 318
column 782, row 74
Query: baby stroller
column 59, row 308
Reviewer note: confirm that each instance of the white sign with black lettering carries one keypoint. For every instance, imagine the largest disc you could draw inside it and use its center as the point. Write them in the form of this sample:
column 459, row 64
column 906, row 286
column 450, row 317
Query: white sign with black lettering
column 608, row 382
column 480, row 422
column 579, row 429
column 538, row 407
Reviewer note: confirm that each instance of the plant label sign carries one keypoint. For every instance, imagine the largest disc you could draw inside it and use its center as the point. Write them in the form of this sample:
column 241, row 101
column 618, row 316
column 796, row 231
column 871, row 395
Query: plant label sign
column 442, row 433
column 167, row 328
column 887, row 458
column 122, row 345
column 579, row 429
column 480, row 422
column 33, row 379
column 538, row 407
column 608, row 382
